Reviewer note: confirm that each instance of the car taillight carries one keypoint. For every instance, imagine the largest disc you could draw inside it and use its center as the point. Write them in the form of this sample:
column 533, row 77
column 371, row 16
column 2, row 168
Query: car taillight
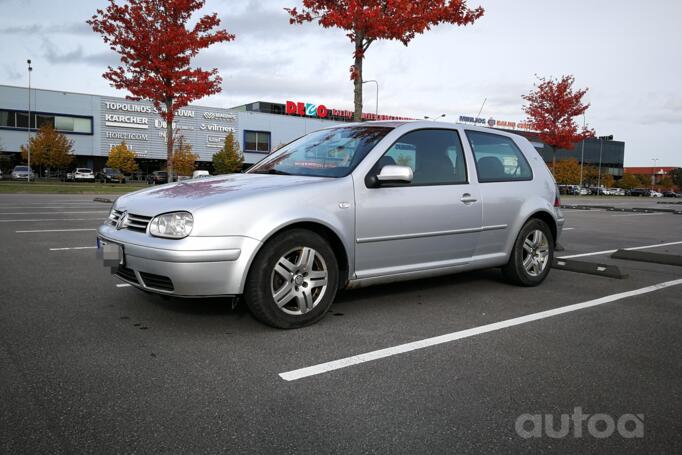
column 557, row 200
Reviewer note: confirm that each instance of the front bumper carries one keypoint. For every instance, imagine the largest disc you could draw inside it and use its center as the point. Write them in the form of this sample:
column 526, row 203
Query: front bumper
column 194, row 266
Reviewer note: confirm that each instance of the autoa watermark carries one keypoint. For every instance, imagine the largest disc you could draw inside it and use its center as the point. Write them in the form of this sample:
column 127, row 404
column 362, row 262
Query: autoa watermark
column 598, row 426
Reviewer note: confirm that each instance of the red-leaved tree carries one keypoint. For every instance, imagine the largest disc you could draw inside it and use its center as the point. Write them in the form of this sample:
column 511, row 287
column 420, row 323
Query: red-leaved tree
column 156, row 46
column 369, row 20
column 552, row 107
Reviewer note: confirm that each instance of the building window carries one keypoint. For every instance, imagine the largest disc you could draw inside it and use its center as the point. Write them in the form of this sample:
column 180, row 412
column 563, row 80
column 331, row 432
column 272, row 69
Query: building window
column 257, row 141
column 60, row 122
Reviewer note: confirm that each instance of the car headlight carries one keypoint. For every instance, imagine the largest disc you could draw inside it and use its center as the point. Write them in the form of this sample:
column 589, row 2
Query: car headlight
column 175, row 225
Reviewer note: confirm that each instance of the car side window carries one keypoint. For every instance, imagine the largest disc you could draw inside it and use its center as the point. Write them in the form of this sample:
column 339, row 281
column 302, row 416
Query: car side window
column 498, row 158
column 435, row 156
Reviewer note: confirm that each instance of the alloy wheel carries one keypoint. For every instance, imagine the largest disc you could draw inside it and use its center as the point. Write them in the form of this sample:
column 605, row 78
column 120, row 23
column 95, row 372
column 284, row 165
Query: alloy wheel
column 299, row 280
column 535, row 253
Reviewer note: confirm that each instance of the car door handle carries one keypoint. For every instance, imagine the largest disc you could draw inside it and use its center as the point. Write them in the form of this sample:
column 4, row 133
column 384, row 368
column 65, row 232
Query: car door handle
column 468, row 199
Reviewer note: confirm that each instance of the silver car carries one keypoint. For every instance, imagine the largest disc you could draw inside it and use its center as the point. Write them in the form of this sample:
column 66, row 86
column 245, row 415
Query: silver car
column 343, row 207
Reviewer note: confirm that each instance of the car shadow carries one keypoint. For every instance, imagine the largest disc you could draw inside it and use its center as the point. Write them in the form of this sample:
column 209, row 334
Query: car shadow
column 424, row 285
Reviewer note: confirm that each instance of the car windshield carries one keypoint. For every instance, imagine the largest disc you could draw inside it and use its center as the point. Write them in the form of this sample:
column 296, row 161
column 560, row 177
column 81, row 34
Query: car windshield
column 327, row 153
column 83, row 169
column 21, row 168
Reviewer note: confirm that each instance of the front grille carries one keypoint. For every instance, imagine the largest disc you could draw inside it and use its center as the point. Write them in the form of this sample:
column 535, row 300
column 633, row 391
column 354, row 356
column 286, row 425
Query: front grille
column 157, row 281
column 126, row 273
column 132, row 221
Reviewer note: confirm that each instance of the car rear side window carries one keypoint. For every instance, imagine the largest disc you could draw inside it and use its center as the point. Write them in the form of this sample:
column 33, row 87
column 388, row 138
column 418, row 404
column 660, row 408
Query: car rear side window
column 498, row 158
column 435, row 156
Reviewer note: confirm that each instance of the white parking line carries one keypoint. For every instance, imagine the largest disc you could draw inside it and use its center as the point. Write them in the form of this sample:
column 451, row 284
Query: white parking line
column 53, row 230
column 52, row 213
column 122, row 285
column 567, row 229
column 595, row 253
column 74, row 248
column 428, row 342
column 52, row 219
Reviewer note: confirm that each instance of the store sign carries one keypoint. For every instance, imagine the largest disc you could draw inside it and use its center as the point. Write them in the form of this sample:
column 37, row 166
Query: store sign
column 139, row 124
column 306, row 109
column 494, row 123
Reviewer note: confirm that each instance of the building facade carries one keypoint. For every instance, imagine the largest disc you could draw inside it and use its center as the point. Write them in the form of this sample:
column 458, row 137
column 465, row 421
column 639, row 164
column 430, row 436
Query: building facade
column 96, row 123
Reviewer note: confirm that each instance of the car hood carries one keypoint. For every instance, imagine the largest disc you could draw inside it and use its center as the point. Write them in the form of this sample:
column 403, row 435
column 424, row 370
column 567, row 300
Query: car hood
column 194, row 194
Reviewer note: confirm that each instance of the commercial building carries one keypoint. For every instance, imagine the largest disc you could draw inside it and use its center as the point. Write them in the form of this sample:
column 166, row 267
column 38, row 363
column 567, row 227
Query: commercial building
column 655, row 173
column 96, row 123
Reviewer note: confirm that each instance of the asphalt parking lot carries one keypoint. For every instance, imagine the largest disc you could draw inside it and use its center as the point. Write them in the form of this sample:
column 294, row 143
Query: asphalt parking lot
column 87, row 366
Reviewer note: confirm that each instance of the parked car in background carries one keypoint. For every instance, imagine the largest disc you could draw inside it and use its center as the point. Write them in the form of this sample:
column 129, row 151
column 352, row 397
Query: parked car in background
column 569, row 189
column 656, row 194
column 665, row 193
column 616, row 191
column 599, row 191
column 22, row 173
column 157, row 178
column 640, row 192
column 200, row 174
column 0, row 174
column 342, row 207
column 110, row 175
column 80, row 174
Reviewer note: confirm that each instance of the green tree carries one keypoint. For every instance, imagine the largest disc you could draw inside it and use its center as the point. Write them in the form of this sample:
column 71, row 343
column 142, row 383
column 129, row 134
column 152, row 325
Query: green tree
column 49, row 148
column 676, row 175
column 122, row 157
column 628, row 182
column 644, row 180
column 229, row 159
column 666, row 183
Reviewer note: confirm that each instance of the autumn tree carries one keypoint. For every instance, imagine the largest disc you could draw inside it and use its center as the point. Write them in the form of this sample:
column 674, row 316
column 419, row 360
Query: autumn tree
column 366, row 21
column 122, row 157
column 567, row 172
column 49, row 148
column 590, row 175
column 628, row 182
column 229, row 159
column 183, row 159
column 607, row 181
column 552, row 107
column 157, row 40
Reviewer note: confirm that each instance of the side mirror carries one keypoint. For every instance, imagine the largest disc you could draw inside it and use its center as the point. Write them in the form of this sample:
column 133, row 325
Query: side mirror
column 395, row 174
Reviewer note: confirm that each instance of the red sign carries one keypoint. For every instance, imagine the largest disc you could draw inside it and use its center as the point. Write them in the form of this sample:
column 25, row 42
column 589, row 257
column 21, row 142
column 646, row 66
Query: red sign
column 306, row 109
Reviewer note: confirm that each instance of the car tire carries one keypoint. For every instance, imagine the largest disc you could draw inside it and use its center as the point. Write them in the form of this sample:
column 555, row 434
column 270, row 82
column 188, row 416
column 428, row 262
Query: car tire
column 532, row 255
column 307, row 291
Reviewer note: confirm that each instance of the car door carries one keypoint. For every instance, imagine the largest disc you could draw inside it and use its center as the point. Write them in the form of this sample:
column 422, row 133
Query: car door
column 433, row 221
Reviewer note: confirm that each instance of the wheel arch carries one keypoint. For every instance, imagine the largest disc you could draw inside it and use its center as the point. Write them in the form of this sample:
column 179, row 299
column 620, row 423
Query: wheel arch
column 323, row 230
column 548, row 219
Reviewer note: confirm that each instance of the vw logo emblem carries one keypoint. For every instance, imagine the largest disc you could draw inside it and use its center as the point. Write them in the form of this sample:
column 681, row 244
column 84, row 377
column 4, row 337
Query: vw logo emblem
column 121, row 223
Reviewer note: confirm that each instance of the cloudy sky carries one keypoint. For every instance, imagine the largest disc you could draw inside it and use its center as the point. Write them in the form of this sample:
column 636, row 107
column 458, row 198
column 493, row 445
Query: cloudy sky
column 626, row 52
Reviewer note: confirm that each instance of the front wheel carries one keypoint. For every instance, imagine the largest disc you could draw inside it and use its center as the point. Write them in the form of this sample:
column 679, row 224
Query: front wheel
column 293, row 280
column 532, row 255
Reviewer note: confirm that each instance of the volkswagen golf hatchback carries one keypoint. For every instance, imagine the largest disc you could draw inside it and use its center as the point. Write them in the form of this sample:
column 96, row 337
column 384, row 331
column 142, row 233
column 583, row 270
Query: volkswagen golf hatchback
column 343, row 207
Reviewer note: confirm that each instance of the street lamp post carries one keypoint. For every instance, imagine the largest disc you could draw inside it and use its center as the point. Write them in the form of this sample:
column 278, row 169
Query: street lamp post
column 377, row 100
column 28, row 142
column 653, row 173
column 582, row 156
column 426, row 117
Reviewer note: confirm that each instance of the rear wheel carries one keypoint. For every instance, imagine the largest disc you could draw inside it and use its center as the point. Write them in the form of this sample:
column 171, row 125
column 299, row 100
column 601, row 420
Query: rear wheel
column 532, row 255
column 293, row 280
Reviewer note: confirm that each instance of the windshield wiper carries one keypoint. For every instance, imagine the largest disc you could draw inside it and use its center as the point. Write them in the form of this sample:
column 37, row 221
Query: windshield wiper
column 272, row 171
